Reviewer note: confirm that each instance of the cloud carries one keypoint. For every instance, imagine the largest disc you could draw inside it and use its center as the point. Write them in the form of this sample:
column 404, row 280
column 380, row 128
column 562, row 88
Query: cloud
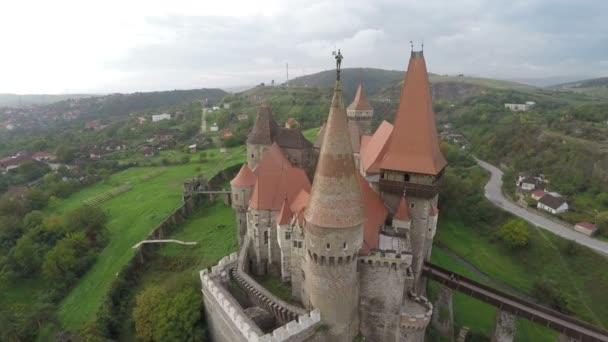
column 152, row 45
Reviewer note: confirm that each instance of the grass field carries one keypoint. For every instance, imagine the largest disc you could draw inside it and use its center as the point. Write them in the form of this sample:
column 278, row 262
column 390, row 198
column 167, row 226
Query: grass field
column 213, row 227
column 131, row 216
column 477, row 315
column 580, row 277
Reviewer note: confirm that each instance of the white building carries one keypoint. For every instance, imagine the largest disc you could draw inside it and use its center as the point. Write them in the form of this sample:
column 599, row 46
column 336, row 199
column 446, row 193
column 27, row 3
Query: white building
column 214, row 128
column 552, row 204
column 160, row 117
column 517, row 107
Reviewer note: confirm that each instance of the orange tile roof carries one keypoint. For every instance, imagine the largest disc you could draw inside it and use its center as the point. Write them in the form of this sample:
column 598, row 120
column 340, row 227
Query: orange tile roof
column 375, row 147
column 375, row 213
column 244, row 178
column 335, row 199
column 403, row 212
column 277, row 179
column 414, row 146
column 360, row 102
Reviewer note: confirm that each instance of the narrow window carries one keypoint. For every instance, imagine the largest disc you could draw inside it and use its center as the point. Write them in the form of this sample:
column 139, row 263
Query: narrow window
column 345, row 245
column 266, row 237
column 327, row 246
column 406, row 177
column 412, row 205
column 299, row 244
column 236, row 197
column 287, row 235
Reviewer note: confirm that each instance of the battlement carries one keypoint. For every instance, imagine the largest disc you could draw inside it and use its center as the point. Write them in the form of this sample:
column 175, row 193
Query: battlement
column 331, row 260
column 417, row 321
column 387, row 258
column 214, row 291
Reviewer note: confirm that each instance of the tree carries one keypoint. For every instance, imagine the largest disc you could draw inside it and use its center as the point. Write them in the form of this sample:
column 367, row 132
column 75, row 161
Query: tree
column 515, row 234
column 90, row 220
column 26, row 256
column 162, row 315
column 37, row 198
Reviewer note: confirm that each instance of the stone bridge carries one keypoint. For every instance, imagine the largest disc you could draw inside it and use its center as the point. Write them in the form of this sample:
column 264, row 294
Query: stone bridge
column 510, row 306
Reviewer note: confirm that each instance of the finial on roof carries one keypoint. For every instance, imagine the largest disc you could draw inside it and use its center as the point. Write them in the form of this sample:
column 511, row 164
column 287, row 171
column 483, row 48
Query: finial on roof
column 412, row 45
column 422, row 46
column 338, row 57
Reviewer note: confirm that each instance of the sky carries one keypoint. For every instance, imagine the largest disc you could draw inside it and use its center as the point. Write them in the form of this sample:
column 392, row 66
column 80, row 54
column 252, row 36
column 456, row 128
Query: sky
column 104, row 46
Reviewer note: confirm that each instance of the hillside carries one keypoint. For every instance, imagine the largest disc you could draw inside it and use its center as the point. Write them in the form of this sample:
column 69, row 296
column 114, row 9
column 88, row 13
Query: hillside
column 122, row 104
column 374, row 80
column 16, row 100
column 593, row 87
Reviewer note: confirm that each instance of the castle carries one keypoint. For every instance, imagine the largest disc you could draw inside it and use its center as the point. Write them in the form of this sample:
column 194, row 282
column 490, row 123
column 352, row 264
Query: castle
column 352, row 244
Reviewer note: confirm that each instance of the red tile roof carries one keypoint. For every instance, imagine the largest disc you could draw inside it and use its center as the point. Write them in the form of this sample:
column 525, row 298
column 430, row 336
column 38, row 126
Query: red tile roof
column 587, row 225
column 539, row 193
column 375, row 147
column 244, row 178
column 375, row 213
column 403, row 211
column 414, row 146
column 276, row 180
column 335, row 199
column 284, row 216
column 360, row 102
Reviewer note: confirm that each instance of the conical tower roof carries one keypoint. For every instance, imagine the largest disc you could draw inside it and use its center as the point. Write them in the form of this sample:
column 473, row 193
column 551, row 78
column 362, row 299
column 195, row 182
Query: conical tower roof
column 244, row 178
column 335, row 198
column 264, row 128
column 413, row 146
column 403, row 212
column 285, row 215
column 360, row 102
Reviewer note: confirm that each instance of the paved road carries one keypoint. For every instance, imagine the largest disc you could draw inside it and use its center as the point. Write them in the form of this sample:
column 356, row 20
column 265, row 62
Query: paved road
column 493, row 192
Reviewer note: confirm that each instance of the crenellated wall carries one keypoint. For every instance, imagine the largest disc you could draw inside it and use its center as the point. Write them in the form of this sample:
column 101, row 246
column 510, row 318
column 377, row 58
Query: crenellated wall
column 228, row 321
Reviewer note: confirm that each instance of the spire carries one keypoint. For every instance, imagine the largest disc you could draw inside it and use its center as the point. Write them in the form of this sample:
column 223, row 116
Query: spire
column 264, row 128
column 244, row 178
column 360, row 102
column 413, row 146
column 335, row 199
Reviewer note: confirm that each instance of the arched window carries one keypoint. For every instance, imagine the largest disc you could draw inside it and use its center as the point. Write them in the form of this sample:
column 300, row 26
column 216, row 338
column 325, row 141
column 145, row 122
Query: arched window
column 345, row 245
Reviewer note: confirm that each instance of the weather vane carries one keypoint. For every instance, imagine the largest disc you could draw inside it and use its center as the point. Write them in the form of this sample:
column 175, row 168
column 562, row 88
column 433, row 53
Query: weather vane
column 338, row 57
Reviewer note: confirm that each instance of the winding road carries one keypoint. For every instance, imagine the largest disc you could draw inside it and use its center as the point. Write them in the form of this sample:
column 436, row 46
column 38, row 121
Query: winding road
column 493, row 192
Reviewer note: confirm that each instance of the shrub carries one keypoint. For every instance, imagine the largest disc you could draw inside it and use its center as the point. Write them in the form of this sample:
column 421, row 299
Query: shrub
column 515, row 234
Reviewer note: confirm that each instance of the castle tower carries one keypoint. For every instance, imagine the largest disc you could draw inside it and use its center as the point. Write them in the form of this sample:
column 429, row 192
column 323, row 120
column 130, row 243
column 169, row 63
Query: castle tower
column 242, row 187
column 361, row 112
column 413, row 163
column 261, row 136
column 334, row 230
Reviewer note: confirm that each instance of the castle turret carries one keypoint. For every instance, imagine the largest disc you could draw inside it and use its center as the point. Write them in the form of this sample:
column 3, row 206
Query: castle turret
column 413, row 162
column 334, row 230
column 242, row 187
column 261, row 136
column 361, row 112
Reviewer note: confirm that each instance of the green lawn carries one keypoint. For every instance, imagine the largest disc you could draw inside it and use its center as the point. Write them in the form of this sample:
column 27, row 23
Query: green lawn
column 213, row 227
column 581, row 277
column 132, row 215
column 477, row 315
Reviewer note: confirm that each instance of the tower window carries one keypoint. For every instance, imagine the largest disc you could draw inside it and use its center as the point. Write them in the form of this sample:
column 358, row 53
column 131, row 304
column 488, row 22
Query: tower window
column 406, row 177
column 345, row 246
column 287, row 235
column 266, row 237
column 412, row 205
column 252, row 155
column 327, row 246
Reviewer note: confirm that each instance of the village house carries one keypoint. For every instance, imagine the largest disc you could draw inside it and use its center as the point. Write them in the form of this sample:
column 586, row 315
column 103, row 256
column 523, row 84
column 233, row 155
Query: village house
column 586, row 228
column 192, row 148
column 13, row 162
column 538, row 194
column 95, row 154
column 242, row 117
column 521, row 107
column 160, row 117
column 43, row 156
column 528, row 183
column 92, row 124
column 214, row 127
column 226, row 133
column 148, row 152
column 141, row 120
column 292, row 123
column 552, row 204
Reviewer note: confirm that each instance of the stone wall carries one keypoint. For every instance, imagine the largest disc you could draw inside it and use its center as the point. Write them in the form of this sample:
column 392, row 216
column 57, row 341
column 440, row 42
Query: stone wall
column 384, row 281
column 228, row 321
column 266, row 253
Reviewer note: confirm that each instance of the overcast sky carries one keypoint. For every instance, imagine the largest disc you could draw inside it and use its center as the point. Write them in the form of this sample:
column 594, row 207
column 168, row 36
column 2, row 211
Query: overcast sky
column 105, row 46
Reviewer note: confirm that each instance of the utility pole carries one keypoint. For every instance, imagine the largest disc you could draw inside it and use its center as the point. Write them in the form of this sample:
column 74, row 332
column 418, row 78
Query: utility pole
column 287, row 73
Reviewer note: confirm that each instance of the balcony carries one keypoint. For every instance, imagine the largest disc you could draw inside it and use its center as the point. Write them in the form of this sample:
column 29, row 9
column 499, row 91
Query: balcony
column 412, row 189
